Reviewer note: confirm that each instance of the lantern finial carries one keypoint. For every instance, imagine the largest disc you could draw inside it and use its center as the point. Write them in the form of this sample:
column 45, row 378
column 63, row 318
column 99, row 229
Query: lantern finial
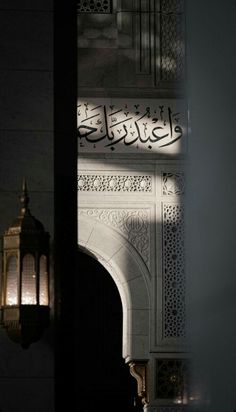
column 24, row 199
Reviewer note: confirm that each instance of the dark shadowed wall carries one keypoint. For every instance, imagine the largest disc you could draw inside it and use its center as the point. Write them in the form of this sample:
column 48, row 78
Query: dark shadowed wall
column 211, row 201
column 26, row 150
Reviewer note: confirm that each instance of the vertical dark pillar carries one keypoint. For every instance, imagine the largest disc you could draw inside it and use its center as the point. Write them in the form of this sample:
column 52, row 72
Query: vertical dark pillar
column 211, row 201
column 65, row 178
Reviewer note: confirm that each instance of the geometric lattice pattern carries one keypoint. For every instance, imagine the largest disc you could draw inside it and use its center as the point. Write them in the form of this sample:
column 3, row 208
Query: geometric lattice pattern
column 172, row 379
column 173, row 272
column 172, row 41
column 114, row 183
column 94, row 6
column 173, row 184
column 172, row 6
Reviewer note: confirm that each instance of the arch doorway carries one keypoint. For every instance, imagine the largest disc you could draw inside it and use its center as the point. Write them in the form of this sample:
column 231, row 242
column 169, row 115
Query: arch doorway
column 106, row 380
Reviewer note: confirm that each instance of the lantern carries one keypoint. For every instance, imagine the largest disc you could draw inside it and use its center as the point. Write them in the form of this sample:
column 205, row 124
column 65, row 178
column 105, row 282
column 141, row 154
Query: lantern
column 25, row 278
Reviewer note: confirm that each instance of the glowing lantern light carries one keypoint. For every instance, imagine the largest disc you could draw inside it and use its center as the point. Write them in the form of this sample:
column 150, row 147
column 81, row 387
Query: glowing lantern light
column 25, row 282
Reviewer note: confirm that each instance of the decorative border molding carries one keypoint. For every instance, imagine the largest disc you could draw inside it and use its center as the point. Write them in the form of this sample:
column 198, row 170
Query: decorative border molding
column 114, row 183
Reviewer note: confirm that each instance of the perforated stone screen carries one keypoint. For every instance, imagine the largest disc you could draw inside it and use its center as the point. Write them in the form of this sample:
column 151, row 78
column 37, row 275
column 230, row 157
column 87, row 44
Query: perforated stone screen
column 172, row 40
column 94, row 6
column 172, row 378
column 173, row 271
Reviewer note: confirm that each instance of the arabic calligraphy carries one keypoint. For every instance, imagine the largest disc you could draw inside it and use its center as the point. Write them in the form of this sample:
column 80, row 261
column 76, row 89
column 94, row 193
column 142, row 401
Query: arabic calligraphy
column 121, row 125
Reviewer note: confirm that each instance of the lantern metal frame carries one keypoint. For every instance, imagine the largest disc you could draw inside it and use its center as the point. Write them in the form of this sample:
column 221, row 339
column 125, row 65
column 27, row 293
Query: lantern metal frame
column 25, row 321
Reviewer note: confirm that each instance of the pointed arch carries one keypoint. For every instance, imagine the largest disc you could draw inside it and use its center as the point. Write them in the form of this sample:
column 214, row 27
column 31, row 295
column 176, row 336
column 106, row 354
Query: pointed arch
column 130, row 274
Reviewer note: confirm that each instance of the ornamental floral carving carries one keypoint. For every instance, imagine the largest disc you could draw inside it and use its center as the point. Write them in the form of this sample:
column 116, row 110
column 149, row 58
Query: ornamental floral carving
column 114, row 183
column 132, row 223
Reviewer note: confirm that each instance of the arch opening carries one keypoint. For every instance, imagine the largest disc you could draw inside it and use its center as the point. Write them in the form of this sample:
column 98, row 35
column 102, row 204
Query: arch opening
column 130, row 275
column 106, row 378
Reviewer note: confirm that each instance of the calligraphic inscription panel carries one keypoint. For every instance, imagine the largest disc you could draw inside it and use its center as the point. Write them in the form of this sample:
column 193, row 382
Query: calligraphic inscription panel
column 127, row 125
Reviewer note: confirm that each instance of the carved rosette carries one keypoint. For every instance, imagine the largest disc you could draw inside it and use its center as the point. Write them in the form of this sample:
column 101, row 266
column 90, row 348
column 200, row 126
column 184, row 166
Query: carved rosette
column 173, row 184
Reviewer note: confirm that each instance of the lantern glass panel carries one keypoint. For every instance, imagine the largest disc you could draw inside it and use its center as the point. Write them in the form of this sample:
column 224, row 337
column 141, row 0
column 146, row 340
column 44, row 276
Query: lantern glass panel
column 43, row 281
column 12, row 281
column 28, row 288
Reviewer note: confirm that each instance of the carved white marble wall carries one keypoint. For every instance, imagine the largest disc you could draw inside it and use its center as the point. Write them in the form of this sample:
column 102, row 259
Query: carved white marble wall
column 132, row 135
column 141, row 202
